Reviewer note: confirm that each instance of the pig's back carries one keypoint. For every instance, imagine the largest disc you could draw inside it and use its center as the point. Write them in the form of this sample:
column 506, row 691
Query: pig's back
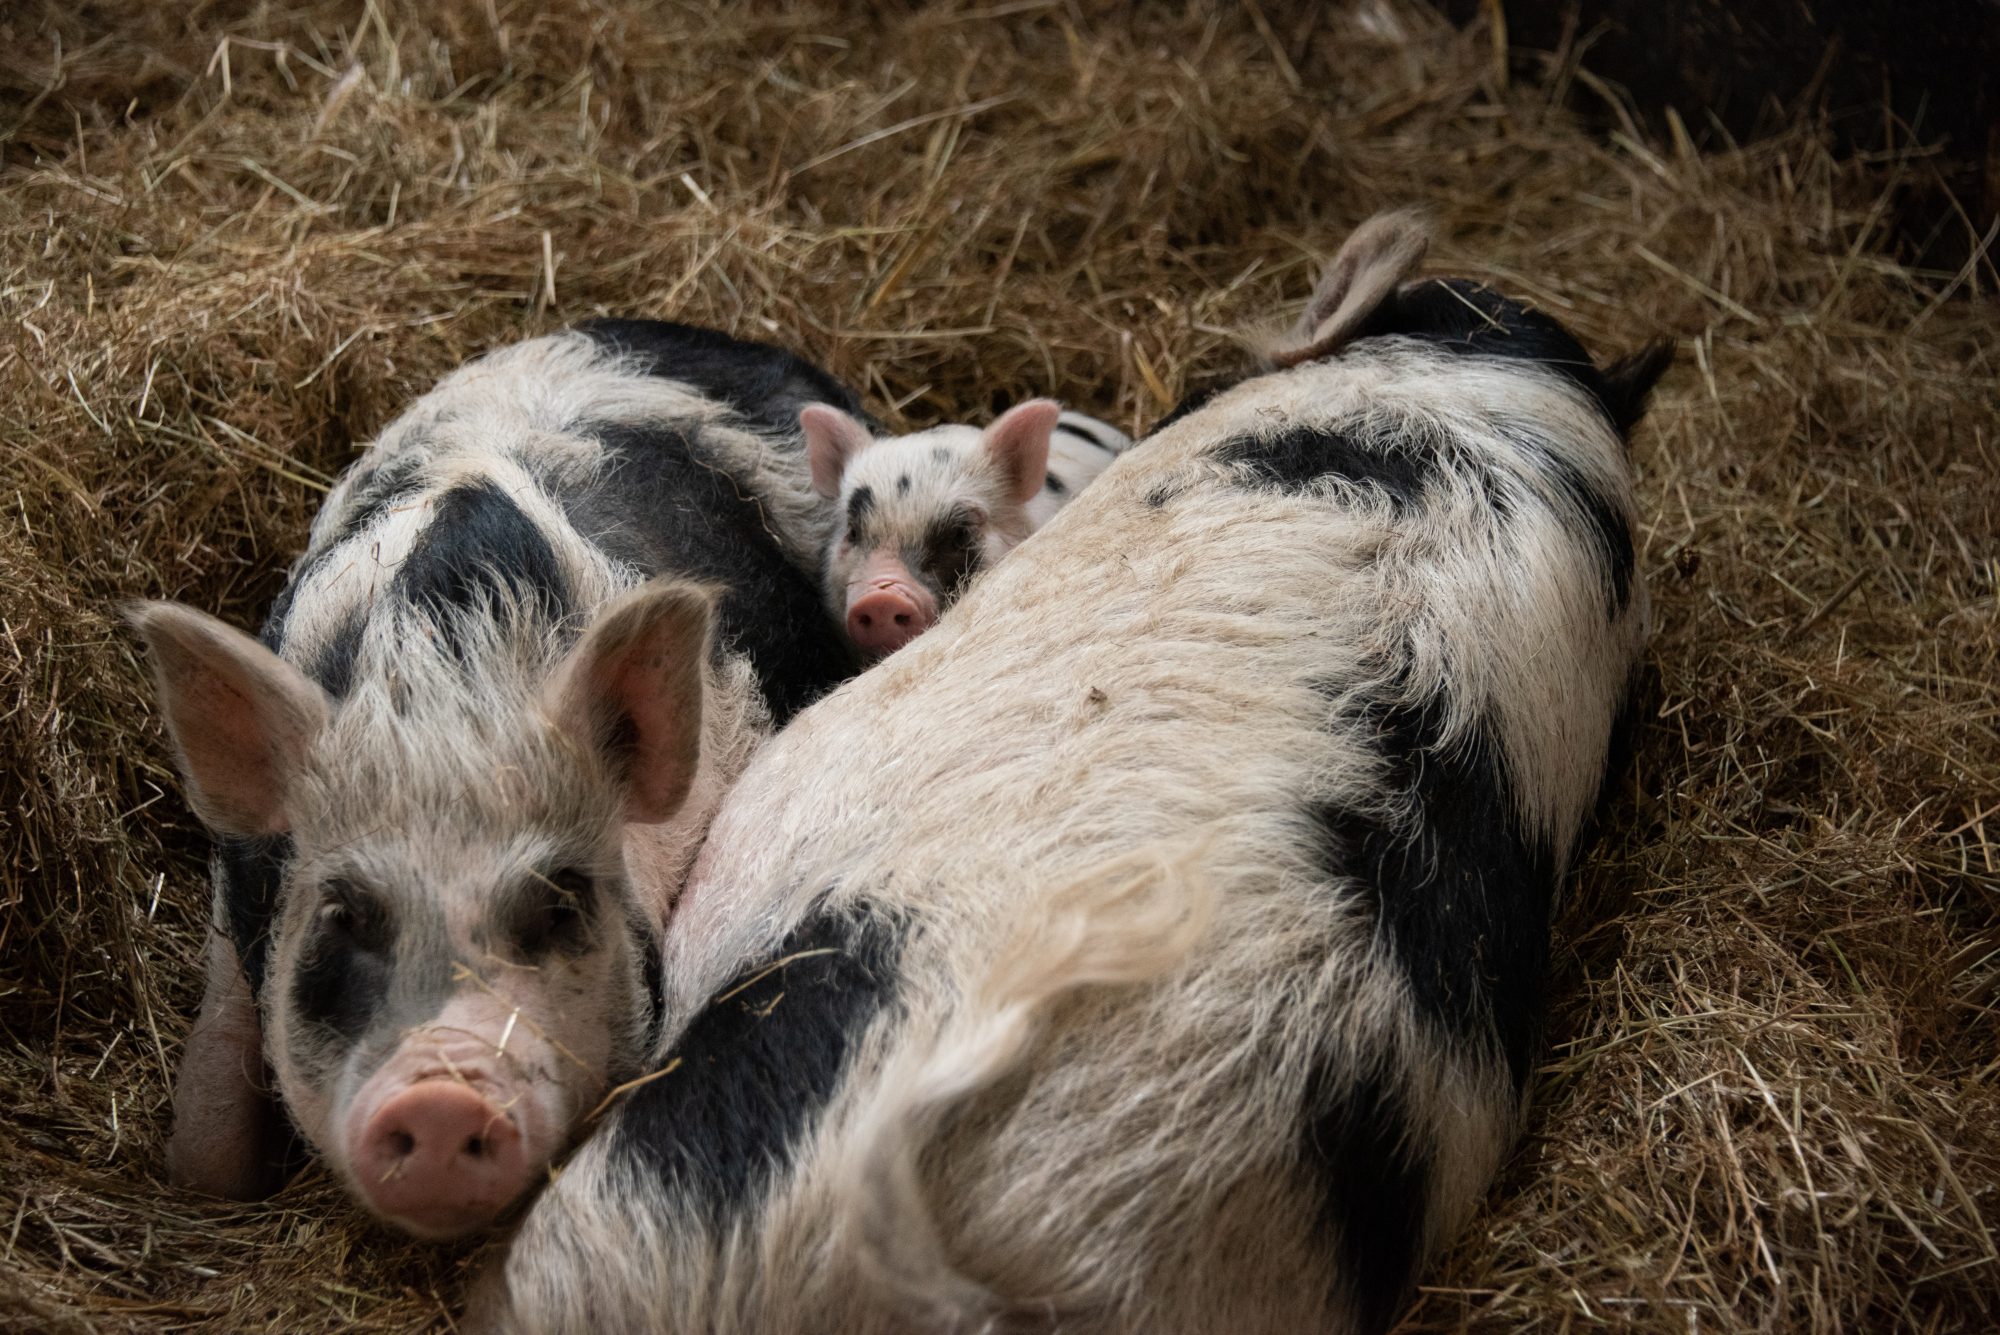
column 1283, row 650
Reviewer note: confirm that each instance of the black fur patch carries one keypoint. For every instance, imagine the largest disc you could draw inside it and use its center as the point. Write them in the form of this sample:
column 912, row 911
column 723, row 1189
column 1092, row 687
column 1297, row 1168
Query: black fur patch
column 478, row 542
column 951, row 555
column 1374, row 1187
column 764, row 384
column 388, row 484
column 1298, row 456
column 653, row 978
column 903, row 485
column 1461, row 893
column 860, row 505
column 343, row 979
column 333, row 669
column 1079, row 430
column 661, row 507
column 248, row 874
column 1466, row 317
column 1596, row 520
column 760, row 1063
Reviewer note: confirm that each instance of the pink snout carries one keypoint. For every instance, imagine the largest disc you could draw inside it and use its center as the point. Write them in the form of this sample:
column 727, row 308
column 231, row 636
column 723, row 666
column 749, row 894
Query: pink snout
column 440, row 1159
column 888, row 615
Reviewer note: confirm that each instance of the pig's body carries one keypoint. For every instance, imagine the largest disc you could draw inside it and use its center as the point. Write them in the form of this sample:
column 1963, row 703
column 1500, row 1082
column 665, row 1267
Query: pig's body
column 1081, row 448
column 378, row 931
column 1157, row 944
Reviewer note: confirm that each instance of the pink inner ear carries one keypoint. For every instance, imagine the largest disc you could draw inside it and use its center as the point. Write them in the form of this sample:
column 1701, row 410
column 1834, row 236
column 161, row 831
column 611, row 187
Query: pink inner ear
column 653, row 718
column 633, row 691
column 241, row 718
column 832, row 438
column 1019, row 443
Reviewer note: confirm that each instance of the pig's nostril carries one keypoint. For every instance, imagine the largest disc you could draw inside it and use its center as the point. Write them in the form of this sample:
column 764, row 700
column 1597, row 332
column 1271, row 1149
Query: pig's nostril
column 403, row 1143
column 476, row 1146
column 902, row 618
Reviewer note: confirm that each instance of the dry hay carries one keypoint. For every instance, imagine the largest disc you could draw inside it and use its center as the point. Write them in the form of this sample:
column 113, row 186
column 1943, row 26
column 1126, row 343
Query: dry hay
column 235, row 236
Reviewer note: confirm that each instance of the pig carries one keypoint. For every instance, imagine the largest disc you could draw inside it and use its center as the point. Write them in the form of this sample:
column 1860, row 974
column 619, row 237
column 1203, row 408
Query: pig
column 1157, row 944
column 537, row 629
column 923, row 514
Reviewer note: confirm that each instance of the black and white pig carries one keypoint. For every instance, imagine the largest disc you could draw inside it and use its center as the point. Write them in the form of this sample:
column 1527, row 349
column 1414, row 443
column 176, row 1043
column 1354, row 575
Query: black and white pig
column 922, row 515
column 1156, row 945
column 538, row 629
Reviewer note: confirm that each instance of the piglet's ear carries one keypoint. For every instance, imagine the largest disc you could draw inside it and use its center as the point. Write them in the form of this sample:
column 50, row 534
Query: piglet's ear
column 631, row 690
column 241, row 718
column 1382, row 252
column 1019, row 443
column 832, row 439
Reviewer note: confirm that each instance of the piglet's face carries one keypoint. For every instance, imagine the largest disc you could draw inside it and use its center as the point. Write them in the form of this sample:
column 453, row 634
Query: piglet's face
column 921, row 515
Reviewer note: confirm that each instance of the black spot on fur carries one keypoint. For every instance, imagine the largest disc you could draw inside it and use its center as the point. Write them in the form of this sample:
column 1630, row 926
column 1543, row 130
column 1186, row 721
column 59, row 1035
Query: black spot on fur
column 1055, row 485
column 903, row 485
column 479, row 542
column 951, row 555
column 248, row 873
column 1295, row 458
column 380, row 488
column 1461, row 893
column 1374, row 1184
column 342, row 982
column 1596, row 520
column 859, row 506
column 653, row 979
column 760, row 1063
column 664, row 509
column 333, row 669
column 1466, row 317
column 1083, row 432
column 393, row 482
column 941, row 454
column 764, row 384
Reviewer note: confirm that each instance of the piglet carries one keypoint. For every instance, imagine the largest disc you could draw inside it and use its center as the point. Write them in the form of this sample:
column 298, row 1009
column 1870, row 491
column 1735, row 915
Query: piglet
column 922, row 515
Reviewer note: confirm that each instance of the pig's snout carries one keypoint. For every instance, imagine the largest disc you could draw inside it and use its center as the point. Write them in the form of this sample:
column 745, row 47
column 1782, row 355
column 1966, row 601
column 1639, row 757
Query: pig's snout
column 440, row 1159
column 888, row 615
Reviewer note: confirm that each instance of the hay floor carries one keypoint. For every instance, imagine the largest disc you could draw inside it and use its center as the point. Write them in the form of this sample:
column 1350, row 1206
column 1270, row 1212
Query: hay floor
column 236, row 235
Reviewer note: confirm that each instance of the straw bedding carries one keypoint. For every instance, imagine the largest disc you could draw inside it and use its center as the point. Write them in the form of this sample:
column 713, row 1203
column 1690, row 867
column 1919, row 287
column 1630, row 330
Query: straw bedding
column 236, row 236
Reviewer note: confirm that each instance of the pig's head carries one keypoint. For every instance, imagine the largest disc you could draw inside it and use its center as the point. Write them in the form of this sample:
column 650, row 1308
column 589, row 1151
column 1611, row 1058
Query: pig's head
column 461, row 966
column 920, row 515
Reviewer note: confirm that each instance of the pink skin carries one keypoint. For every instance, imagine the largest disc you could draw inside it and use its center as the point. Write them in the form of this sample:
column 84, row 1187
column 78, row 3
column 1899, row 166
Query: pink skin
column 452, row 1128
column 887, row 606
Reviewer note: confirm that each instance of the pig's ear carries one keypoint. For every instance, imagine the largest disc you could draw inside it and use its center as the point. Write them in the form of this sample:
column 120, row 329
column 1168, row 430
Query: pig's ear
column 1019, row 443
column 1629, row 381
column 832, row 438
column 632, row 691
column 241, row 718
column 1380, row 254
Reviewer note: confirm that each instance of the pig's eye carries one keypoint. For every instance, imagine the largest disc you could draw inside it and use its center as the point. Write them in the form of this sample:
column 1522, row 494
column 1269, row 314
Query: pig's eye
column 555, row 914
column 951, row 551
column 353, row 916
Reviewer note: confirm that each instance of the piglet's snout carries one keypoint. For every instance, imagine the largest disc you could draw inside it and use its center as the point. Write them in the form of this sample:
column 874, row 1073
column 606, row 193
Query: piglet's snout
column 440, row 1158
column 888, row 614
